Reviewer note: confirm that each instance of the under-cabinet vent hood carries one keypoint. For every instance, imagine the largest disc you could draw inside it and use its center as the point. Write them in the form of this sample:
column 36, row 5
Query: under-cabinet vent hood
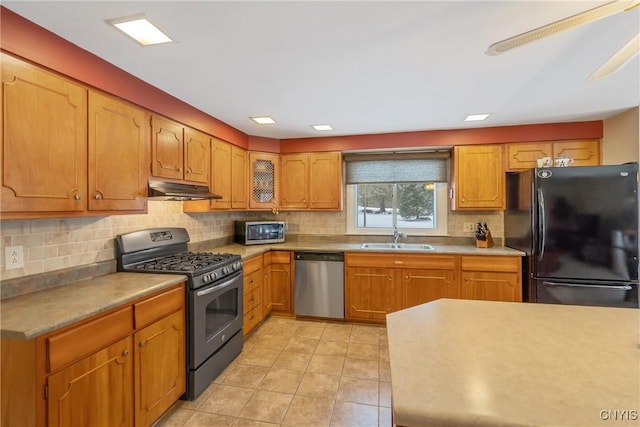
column 162, row 190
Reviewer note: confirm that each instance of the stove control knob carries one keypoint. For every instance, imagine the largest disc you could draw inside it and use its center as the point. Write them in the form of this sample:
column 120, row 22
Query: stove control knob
column 214, row 275
column 206, row 278
column 237, row 266
column 225, row 270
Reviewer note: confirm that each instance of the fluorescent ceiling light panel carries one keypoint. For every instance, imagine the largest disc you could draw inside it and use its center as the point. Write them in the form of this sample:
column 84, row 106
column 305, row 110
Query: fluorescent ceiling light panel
column 322, row 127
column 476, row 117
column 619, row 59
column 264, row 120
column 140, row 29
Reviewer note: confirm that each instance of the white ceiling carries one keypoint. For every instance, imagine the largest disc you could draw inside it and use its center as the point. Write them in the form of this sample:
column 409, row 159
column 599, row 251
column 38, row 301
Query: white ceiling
column 363, row 67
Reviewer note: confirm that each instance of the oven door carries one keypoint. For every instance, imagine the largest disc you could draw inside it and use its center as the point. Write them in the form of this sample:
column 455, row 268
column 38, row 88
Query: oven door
column 216, row 316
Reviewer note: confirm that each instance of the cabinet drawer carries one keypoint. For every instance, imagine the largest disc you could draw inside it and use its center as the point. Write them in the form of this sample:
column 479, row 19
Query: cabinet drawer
column 76, row 343
column 159, row 306
column 252, row 264
column 491, row 263
column 251, row 319
column 280, row 257
column 251, row 300
column 443, row 262
column 252, row 281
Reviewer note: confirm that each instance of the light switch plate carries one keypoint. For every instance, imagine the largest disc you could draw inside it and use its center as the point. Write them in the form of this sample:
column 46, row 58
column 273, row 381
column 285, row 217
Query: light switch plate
column 13, row 257
column 468, row 226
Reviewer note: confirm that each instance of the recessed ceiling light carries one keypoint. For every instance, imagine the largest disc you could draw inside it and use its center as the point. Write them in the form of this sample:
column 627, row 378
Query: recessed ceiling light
column 322, row 127
column 264, row 120
column 140, row 29
column 476, row 117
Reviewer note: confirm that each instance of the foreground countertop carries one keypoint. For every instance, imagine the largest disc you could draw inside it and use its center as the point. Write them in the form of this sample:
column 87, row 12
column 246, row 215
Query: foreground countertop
column 482, row 363
column 28, row 316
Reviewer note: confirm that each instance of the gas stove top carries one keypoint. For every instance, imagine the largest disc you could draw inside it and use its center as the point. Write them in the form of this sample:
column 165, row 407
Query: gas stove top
column 164, row 250
column 187, row 262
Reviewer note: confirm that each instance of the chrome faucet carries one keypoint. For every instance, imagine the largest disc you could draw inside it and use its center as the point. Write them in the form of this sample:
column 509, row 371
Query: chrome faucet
column 397, row 234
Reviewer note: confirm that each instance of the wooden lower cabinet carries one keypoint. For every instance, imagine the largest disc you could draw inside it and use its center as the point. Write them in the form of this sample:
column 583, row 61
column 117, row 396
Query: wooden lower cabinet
column 421, row 286
column 371, row 293
column 280, row 283
column 95, row 392
column 491, row 278
column 252, row 294
column 122, row 368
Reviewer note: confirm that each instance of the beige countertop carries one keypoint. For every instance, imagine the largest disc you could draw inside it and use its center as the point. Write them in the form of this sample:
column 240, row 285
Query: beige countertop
column 28, row 316
column 482, row 363
column 251, row 250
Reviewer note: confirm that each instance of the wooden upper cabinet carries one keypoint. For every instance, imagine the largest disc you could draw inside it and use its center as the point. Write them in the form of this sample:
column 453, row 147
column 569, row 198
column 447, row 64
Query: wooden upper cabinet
column 179, row 153
column 118, row 155
column 294, row 169
column 167, row 149
column 583, row 152
column 264, row 180
column 239, row 171
column 197, row 156
column 525, row 155
column 44, row 140
column 221, row 173
column 311, row 181
column 478, row 177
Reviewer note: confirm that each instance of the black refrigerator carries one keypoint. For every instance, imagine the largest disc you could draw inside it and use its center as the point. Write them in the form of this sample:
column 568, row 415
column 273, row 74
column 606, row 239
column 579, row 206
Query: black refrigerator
column 579, row 229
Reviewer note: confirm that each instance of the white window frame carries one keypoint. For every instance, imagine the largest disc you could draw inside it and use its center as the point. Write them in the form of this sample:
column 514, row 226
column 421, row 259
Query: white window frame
column 442, row 211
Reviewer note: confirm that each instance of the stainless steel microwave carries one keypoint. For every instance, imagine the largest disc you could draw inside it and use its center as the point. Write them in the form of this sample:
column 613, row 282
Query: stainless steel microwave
column 259, row 232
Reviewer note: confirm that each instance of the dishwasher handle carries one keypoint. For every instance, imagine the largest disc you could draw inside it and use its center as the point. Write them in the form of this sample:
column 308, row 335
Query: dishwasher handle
column 319, row 256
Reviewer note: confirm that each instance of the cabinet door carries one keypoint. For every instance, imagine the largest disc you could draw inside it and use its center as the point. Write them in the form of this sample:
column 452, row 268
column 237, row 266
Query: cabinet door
column 421, row 286
column 491, row 286
column 295, row 179
column 238, row 178
column 264, row 180
column 325, row 181
column 479, row 177
column 371, row 293
column 97, row 391
column 267, row 301
column 167, row 150
column 44, row 141
column 583, row 152
column 525, row 156
column 221, row 182
column 281, row 288
column 118, row 155
column 197, row 156
column 159, row 367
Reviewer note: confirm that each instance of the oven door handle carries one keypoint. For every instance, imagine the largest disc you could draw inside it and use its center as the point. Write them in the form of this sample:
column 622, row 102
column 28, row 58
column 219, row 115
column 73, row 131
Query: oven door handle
column 216, row 288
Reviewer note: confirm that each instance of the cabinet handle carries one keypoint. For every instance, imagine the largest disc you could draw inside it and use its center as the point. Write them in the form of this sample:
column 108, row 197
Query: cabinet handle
column 398, row 262
column 389, row 278
column 250, row 281
column 406, row 277
column 463, row 200
column 251, row 299
column 125, row 353
column 98, row 196
column 143, row 343
column 188, row 171
column 179, row 169
column 78, row 197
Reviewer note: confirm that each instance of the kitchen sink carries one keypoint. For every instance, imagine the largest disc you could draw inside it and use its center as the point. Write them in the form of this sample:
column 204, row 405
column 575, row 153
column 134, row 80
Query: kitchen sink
column 404, row 246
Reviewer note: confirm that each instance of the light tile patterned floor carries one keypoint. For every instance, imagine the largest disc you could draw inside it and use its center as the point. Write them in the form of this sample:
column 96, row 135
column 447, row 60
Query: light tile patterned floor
column 298, row 373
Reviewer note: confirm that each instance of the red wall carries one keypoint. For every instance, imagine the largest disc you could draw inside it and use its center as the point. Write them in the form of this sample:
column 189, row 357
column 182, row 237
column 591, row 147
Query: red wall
column 25, row 39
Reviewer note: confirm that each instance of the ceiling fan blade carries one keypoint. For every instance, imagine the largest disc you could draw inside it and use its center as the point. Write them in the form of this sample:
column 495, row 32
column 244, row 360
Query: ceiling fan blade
column 586, row 17
column 619, row 59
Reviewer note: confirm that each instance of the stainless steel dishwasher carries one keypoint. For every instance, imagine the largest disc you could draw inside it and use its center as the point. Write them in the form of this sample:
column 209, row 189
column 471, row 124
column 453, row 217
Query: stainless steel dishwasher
column 319, row 284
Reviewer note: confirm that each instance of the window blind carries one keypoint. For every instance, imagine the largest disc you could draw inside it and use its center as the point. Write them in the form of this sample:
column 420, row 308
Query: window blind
column 396, row 167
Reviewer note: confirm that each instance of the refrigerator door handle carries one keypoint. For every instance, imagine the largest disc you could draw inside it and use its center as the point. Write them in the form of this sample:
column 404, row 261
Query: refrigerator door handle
column 542, row 226
column 576, row 285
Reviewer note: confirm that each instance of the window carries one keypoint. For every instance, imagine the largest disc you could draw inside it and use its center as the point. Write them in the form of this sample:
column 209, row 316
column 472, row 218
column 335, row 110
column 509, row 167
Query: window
column 407, row 191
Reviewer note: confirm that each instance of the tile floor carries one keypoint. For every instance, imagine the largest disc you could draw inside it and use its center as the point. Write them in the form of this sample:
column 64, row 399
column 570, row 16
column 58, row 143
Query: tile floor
column 298, row 373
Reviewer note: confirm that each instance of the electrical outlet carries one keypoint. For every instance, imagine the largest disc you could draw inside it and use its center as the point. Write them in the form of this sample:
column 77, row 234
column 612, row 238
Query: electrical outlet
column 13, row 257
column 468, row 226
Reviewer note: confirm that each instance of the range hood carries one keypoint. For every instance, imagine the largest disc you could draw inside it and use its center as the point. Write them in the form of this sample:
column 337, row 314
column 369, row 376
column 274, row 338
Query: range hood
column 162, row 190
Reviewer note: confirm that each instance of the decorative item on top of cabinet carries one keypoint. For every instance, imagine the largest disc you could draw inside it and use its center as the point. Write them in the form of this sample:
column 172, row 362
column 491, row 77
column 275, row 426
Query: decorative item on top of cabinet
column 311, row 181
column 264, row 180
column 179, row 153
column 478, row 179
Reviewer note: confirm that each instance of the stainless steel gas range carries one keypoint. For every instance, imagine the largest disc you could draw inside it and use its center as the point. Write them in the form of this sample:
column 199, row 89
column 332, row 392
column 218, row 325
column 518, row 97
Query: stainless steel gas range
column 213, row 297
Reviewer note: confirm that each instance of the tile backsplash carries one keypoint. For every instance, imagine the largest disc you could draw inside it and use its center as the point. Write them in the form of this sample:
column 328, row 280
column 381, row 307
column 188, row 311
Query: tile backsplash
column 55, row 244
